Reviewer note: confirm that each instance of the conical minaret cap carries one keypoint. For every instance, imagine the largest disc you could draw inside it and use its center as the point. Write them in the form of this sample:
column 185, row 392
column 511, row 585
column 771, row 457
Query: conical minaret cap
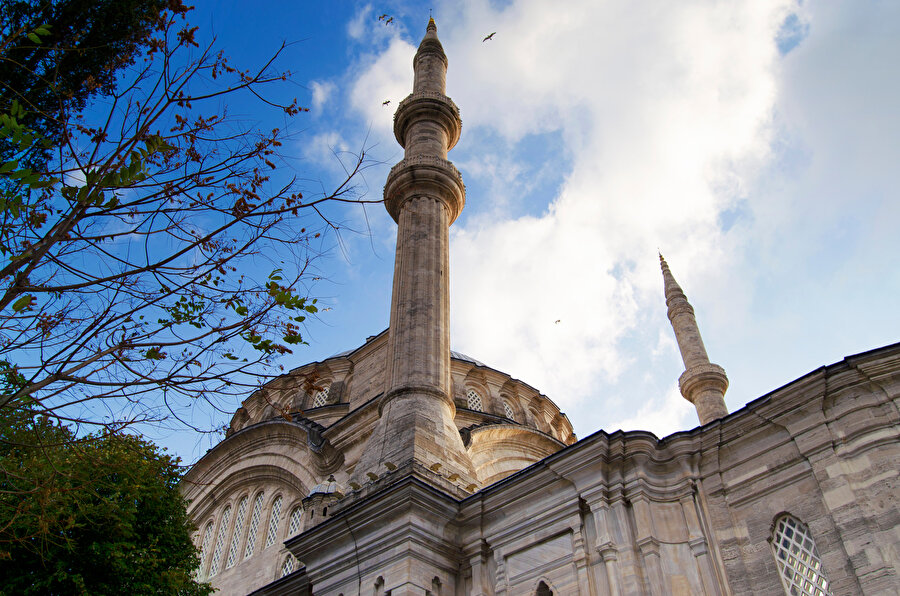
column 673, row 291
column 431, row 43
column 430, row 63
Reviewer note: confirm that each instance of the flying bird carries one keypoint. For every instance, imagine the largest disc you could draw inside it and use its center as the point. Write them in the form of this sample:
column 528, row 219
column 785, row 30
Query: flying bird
column 385, row 102
column 382, row 17
column 556, row 322
column 491, row 36
column 389, row 21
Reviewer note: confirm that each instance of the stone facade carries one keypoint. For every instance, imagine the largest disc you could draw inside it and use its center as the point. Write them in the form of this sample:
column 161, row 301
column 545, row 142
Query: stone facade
column 403, row 468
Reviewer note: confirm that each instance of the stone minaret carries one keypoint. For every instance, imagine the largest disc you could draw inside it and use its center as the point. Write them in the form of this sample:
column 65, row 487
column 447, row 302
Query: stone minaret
column 424, row 194
column 702, row 383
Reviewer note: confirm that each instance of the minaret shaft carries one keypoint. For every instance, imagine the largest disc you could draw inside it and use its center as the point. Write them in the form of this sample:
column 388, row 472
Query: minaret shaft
column 419, row 350
column 424, row 194
column 702, row 383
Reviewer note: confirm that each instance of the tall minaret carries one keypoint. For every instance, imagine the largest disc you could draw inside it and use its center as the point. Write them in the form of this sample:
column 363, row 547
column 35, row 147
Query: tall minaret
column 424, row 194
column 702, row 383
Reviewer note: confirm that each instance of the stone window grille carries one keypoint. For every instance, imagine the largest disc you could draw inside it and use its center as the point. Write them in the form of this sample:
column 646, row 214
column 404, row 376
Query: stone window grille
column 508, row 411
column 473, row 401
column 288, row 566
column 204, row 544
column 797, row 558
column 220, row 541
column 236, row 534
column 321, row 398
column 254, row 525
column 296, row 520
column 273, row 522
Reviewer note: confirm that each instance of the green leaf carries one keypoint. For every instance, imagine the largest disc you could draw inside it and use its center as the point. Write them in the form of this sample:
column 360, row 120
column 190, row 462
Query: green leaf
column 9, row 166
column 34, row 38
column 22, row 303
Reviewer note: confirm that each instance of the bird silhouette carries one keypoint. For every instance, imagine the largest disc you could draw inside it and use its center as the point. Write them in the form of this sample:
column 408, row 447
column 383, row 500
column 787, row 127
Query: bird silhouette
column 491, row 36
column 385, row 102
column 557, row 321
column 382, row 17
column 389, row 21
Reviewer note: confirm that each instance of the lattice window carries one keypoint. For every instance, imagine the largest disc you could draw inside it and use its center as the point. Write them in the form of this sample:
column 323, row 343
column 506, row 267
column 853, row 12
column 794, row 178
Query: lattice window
column 204, row 545
column 797, row 559
column 236, row 534
column 474, row 400
column 220, row 541
column 321, row 398
column 254, row 525
column 288, row 565
column 508, row 411
column 296, row 520
column 273, row 522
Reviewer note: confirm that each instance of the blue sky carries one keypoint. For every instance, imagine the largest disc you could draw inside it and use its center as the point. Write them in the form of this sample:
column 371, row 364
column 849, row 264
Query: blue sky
column 755, row 143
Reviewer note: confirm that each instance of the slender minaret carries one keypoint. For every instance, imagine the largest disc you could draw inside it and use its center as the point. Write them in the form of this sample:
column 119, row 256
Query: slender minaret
column 702, row 383
column 424, row 194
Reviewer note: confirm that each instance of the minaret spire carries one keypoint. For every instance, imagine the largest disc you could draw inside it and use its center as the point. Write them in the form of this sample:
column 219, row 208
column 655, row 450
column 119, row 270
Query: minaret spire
column 424, row 193
column 702, row 383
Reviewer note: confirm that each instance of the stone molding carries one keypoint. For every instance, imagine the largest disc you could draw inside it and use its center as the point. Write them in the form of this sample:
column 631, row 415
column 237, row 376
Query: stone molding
column 424, row 175
column 702, row 376
column 432, row 106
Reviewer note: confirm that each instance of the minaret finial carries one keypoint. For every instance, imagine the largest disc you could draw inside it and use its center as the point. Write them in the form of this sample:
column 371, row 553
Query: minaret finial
column 702, row 383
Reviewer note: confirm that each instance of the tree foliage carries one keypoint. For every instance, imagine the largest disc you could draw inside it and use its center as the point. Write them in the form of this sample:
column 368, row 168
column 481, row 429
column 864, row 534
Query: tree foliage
column 75, row 55
column 159, row 258
column 89, row 515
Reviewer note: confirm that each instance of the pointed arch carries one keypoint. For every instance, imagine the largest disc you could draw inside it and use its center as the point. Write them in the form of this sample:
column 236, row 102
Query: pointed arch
column 797, row 558
column 543, row 590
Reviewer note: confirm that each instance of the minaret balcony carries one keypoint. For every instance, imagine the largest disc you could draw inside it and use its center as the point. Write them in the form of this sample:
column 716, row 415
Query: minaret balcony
column 428, row 106
column 426, row 175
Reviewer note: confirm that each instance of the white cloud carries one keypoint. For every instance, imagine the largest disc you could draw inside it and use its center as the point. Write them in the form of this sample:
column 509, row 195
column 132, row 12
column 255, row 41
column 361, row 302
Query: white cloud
column 665, row 113
column 325, row 149
column 322, row 91
column 662, row 417
column 388, row 77
column 767, row 180
column 357, row 27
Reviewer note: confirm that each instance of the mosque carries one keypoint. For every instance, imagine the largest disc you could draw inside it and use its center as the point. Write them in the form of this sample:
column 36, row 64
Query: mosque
column 401, row 467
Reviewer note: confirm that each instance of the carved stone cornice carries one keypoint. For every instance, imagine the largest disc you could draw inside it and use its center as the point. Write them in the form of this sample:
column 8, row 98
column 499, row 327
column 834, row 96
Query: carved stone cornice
column 702, row 376
column 425, row 175
column 431, row 106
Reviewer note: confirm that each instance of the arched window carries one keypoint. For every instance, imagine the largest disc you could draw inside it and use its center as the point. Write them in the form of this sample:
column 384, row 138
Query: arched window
column 288, row 565
column 321, row 398
column 508, row 411
column 473, row 400
column 296, row 520
column 204, row 545
column 220, row 541
column 797, row 559
column 273, row 522
column 236, row 534
column 543, row 590
column 254, row 525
